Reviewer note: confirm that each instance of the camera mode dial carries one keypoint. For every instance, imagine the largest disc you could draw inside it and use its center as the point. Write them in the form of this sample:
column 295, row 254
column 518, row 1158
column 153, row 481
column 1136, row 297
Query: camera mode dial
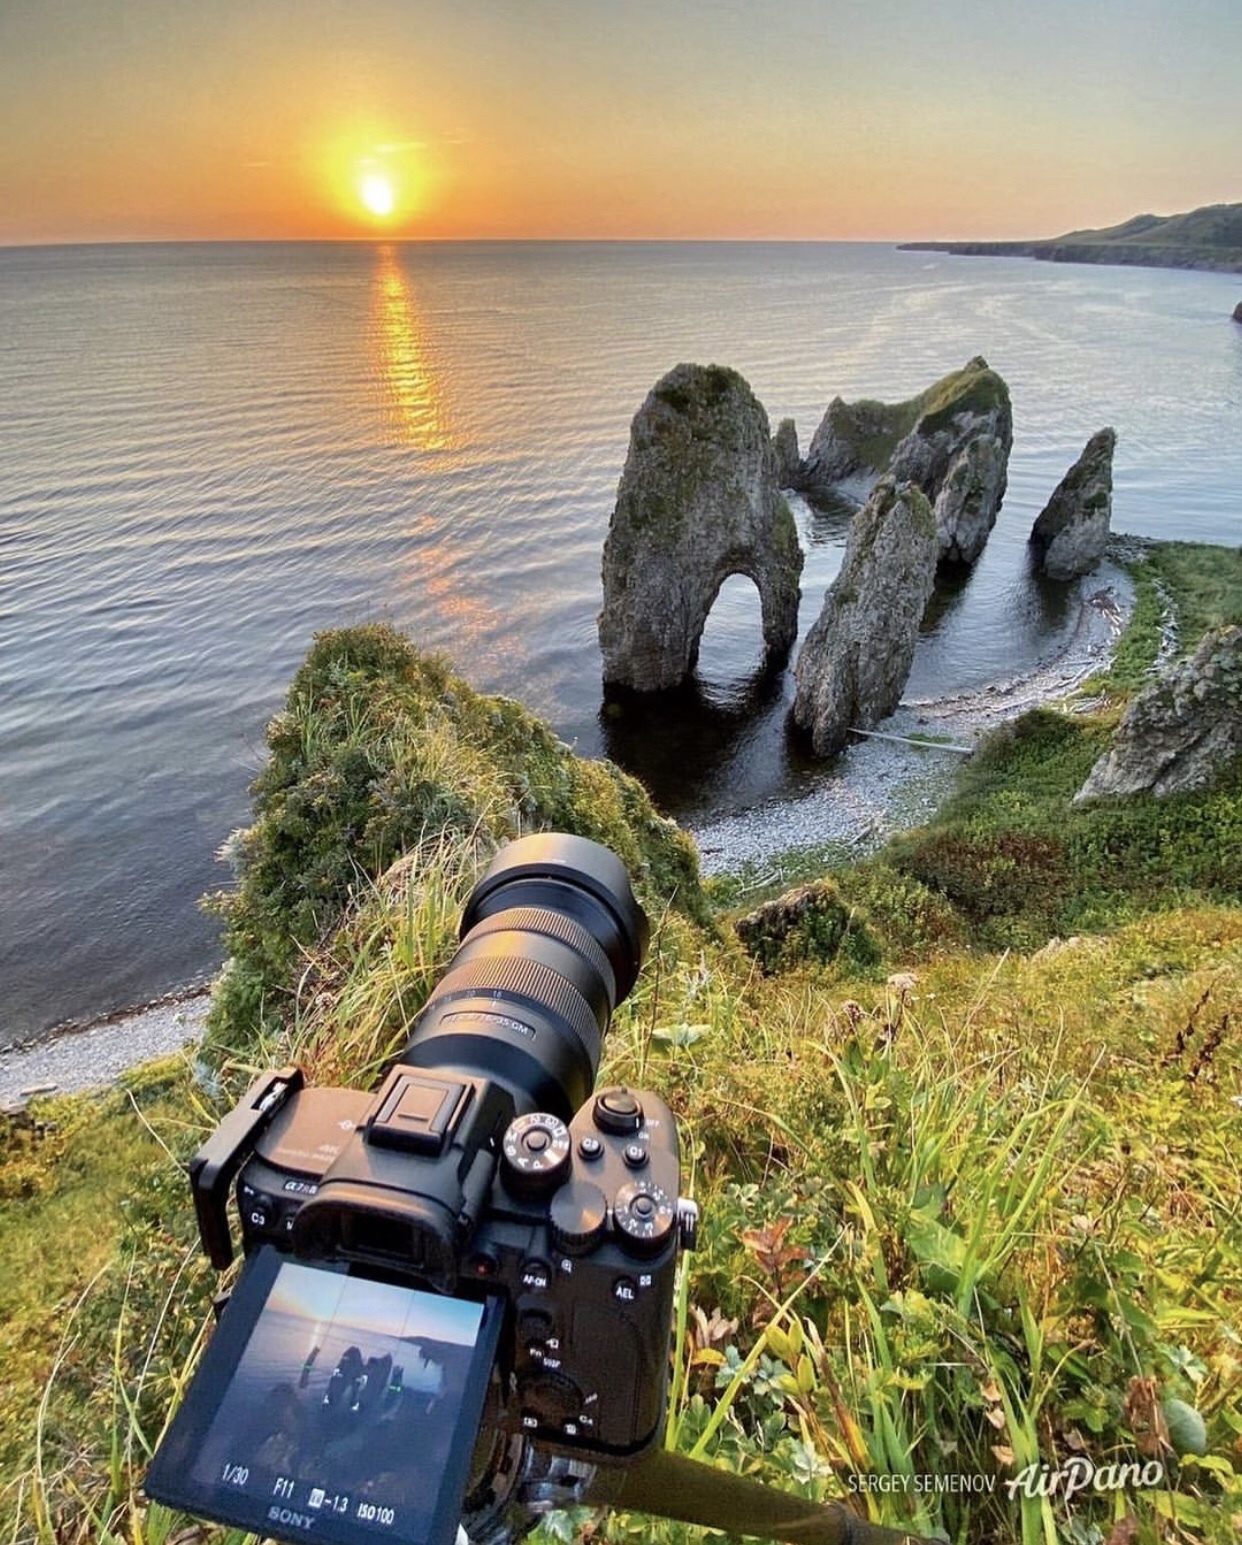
column 535, row 1155
column 644, row 1216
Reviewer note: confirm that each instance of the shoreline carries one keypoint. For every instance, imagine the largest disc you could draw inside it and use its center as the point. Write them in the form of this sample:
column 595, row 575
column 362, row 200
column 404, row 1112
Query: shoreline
column 1094, row 254
column 79, row 1057
column 875, row 787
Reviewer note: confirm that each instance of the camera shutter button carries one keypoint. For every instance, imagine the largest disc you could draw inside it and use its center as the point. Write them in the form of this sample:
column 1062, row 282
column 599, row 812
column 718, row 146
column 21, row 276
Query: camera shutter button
column 617, row 1111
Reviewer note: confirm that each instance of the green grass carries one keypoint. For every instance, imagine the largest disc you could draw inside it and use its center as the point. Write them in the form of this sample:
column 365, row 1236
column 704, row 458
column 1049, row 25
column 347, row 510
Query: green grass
column 1204, row 582
column 970, row 1202
column 1186, row 586
column 102, row 1297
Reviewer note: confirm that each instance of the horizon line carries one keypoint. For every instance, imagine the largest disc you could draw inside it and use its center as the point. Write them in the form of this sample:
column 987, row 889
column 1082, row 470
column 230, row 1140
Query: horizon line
column 475, row 241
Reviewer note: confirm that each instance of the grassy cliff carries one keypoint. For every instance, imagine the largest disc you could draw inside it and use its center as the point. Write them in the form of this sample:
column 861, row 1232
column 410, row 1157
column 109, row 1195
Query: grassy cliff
column 1209, row 238
column 967, row 1151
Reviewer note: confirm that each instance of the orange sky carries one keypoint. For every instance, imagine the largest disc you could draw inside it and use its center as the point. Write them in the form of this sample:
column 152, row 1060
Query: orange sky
column 884, row 119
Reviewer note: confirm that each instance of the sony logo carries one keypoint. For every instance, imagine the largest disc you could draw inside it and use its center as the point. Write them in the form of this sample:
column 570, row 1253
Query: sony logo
column 286, row 1515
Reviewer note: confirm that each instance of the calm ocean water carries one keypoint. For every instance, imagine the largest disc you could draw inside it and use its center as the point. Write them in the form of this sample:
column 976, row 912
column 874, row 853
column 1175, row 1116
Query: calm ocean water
column 209, row 452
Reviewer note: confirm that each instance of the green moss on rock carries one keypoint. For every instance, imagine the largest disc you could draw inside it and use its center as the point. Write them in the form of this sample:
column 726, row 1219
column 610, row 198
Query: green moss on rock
column 808, row 925
column 863, row 436
column 975, row 388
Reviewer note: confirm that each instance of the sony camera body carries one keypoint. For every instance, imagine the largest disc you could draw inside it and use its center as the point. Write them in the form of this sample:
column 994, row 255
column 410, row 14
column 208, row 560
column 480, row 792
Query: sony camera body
column 435, row 1179
column 485, row 1242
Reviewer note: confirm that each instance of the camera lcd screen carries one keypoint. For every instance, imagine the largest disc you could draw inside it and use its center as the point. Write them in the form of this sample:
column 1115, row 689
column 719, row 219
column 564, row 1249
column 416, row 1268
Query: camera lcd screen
column 332, row 1407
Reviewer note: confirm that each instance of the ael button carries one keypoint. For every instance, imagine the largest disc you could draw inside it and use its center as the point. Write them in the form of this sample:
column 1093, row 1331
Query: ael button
column 618, row 1112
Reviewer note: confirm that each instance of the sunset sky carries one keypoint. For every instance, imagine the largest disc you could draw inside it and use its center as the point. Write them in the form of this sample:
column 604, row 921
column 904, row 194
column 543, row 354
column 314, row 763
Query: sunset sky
column 819, row 119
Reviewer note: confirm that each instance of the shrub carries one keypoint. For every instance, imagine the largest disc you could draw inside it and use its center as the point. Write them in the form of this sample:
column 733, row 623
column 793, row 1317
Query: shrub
column 992, row 875
column 810, row 924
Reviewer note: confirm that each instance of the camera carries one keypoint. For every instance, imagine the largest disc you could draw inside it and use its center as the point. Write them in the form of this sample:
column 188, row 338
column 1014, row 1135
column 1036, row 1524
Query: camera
column 473, row 1262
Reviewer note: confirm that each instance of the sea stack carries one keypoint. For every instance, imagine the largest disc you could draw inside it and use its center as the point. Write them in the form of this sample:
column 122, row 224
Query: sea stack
column 788, row 461
column 853, row 667
column 953, row 440
column 698, row 501
column 1071, row 532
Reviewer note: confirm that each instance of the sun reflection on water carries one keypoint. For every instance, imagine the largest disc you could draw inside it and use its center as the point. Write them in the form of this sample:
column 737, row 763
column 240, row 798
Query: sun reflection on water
column 415, row 401
column 438, row 579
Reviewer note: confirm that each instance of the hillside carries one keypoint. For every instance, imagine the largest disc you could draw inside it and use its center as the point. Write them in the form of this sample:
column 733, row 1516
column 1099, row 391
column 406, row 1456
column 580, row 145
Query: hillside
column 963, row 1134
column 1207, row 238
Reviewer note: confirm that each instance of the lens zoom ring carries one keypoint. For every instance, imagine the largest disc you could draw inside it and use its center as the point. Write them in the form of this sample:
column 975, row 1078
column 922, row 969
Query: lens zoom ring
column 532, row 981
column 554, row 925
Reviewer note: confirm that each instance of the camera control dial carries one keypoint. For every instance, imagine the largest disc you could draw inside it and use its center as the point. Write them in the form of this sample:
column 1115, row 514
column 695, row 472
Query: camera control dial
column 579, row 1217
column 644, row 1216
column 535, row 1155
column 548, row 1400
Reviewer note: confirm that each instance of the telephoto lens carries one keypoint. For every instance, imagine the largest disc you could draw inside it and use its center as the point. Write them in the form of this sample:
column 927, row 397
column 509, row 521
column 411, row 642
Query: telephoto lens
column 552, row 940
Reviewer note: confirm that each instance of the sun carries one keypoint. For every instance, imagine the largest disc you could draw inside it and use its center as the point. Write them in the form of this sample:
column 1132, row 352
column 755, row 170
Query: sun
column 377, row 194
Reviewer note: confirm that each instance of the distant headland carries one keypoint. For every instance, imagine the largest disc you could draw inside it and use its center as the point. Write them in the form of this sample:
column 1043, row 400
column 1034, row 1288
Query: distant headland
column 1204, row 238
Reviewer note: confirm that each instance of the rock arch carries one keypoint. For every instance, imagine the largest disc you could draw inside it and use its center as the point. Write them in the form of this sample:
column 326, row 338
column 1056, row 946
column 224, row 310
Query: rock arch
column 698, row 503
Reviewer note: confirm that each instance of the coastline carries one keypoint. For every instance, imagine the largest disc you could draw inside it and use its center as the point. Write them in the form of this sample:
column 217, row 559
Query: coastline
column 879, row 786
column 81, row 1057
column 1103, row 254
column 883, row 786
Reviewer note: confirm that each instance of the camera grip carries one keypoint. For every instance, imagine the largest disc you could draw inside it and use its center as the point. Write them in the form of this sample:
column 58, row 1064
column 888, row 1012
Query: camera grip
column 216, row 1163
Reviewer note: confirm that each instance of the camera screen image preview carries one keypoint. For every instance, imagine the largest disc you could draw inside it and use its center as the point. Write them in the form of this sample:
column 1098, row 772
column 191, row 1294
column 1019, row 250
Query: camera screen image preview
column 344, row 1417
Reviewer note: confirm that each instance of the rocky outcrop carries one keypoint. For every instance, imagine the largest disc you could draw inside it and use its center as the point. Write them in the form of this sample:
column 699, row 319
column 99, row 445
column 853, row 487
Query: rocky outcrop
column 698, row 501
column 788, row 461
column 855, row 439
column 1237, row 312
column 1182, row 731
column 958, row 454
column 1069, row 537
column 806, row 924
column 953, row 440
column 853, row 667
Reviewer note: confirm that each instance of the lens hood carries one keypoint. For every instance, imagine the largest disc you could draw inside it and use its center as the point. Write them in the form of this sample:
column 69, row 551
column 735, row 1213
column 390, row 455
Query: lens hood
column 558, row 871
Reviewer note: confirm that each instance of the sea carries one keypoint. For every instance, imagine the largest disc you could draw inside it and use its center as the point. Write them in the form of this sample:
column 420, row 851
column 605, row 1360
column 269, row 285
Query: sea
column 209, row 452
